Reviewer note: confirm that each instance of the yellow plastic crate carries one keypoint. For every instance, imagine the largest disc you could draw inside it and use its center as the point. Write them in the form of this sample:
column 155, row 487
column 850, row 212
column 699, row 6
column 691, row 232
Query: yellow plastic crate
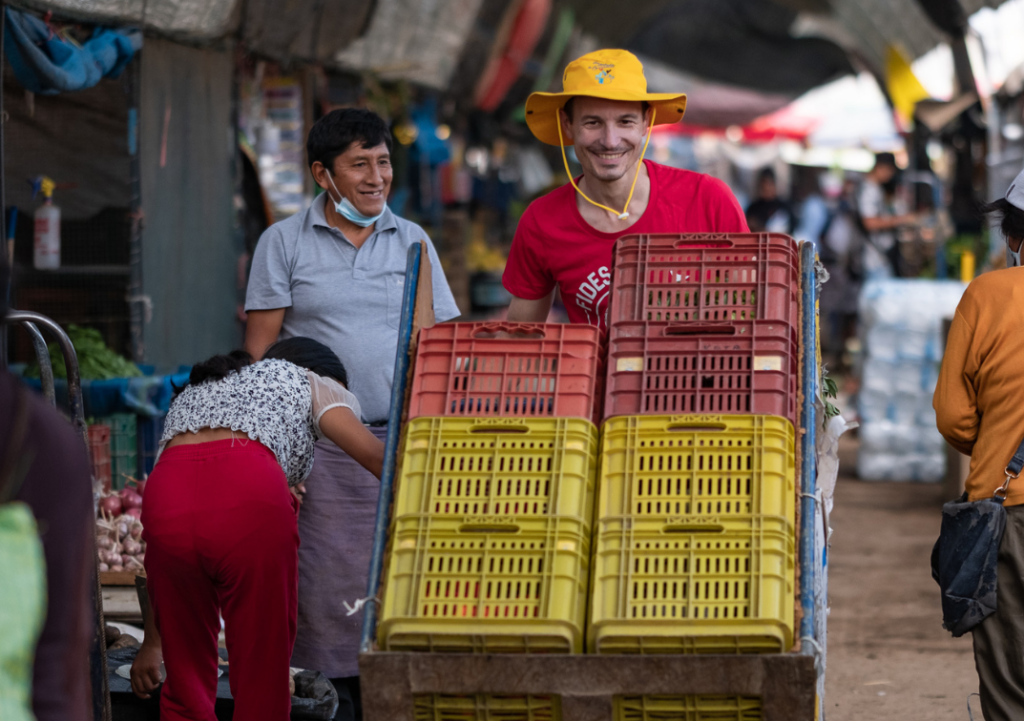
column 494, row 584
column 498, row 466
column 486, row 707
column 693, row 585
column 685, row 708
column 697, row 465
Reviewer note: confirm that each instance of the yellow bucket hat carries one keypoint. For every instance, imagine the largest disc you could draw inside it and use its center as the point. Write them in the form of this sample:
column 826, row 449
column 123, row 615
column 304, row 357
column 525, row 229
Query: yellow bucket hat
column 609, row 74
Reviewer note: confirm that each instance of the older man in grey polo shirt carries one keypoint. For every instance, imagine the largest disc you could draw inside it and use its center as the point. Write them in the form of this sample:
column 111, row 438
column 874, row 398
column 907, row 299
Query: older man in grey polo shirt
column 336, row 273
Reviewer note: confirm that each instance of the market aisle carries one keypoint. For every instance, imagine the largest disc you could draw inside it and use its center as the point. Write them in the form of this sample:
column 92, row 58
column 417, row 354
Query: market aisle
column 888, row 656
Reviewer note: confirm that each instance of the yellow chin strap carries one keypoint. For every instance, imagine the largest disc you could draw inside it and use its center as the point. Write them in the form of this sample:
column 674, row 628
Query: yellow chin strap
column 625, row 211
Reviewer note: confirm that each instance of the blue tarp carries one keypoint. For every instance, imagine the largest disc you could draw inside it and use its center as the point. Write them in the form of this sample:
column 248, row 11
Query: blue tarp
column 47, row 65
column 146, row 396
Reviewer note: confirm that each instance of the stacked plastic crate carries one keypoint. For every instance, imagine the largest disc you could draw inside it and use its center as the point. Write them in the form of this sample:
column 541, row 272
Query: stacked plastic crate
column 490, row 544
column 695, row 515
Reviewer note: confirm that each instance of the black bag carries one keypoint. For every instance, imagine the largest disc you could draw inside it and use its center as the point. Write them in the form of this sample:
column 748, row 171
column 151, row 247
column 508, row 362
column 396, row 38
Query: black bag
column 965, row 558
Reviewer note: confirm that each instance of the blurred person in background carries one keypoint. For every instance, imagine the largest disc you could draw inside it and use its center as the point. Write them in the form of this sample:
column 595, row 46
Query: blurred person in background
column 979, row 410
column 44, row 465
column 881, row 216
column 841, row 250
column 813, row 211
column 336, row 273
column 566, row 237
column 769, row 213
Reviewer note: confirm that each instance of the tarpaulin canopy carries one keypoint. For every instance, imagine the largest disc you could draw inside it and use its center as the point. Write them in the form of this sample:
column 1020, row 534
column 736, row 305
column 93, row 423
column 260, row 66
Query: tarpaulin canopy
column 413, row 40
column 396, row 39
column 776, row 46
column 280, row 29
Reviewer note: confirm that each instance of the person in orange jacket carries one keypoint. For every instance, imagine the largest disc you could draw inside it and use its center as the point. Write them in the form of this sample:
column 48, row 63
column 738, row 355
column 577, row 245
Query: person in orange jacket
column 979, row 411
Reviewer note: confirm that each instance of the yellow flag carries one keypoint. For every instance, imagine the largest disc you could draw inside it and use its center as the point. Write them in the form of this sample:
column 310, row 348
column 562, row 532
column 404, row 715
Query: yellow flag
column 904, row 87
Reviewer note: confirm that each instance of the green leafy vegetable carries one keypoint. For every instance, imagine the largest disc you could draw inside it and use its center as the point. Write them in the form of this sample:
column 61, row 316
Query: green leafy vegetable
column 829, row 389
column 95, row 360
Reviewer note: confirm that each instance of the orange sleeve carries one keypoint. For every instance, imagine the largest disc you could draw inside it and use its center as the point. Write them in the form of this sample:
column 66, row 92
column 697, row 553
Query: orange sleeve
column 956, row 397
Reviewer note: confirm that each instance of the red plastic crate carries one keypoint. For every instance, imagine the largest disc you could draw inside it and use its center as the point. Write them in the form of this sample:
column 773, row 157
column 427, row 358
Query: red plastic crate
column 707, row 278
column 665, row 368
column 538, row 370
column 99, row 453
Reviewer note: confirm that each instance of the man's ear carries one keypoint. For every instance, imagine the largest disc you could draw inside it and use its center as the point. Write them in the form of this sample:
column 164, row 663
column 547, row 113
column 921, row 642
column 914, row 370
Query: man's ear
column 319, row 172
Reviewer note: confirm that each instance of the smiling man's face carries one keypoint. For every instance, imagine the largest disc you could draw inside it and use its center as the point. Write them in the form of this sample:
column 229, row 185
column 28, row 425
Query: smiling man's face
column 363, row 175
column 608, row 135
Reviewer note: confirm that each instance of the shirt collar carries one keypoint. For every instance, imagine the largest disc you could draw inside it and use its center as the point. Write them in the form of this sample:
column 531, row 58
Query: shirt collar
column 318, row 216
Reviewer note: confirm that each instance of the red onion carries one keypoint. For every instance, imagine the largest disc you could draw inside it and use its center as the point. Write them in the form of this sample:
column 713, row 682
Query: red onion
column 131, row 499
column 136, row 513
column 112, row 504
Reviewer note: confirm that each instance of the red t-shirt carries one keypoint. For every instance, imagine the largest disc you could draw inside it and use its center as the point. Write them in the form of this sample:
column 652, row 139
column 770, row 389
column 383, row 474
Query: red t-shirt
column 554, row 244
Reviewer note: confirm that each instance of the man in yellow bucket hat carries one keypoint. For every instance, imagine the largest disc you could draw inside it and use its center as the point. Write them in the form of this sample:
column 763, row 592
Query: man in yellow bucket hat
column 566, row 237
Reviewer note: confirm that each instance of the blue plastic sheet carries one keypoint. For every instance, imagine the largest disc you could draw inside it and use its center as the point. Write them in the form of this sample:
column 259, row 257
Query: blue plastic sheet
column 148, row 396
column 47, row 65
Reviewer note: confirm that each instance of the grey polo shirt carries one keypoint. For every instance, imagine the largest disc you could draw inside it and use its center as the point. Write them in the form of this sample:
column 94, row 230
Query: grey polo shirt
column 349, row 299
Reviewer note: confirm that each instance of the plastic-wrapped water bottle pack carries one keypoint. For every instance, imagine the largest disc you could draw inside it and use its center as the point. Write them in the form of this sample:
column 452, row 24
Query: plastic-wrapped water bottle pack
column 901, row 325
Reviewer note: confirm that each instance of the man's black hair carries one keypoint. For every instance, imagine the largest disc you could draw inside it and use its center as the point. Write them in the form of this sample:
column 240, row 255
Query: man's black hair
column 311, row 355
column 885, row 159
column 332, row 134
column 766, row 174
column 1012, row 220
column 644, row 105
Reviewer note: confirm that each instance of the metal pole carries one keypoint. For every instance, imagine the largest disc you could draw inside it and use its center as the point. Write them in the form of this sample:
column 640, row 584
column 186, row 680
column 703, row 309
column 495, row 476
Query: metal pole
column 137, row 302
column 387, row 477
column 808, row 424
column 9, row 259
column 43, row 356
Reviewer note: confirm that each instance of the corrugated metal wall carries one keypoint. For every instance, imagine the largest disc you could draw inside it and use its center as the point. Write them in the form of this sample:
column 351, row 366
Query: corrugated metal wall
column 190, row 249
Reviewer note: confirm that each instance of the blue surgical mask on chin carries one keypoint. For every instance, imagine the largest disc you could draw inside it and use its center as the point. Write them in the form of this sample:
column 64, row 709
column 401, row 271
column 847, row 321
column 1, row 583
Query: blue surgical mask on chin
column 346, row 210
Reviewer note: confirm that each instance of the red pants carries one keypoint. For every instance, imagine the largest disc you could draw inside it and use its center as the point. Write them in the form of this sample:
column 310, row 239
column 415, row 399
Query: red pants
column 221, row 536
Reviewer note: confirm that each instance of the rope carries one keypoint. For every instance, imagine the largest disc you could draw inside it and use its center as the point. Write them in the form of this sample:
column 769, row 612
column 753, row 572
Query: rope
column 358, row 605
column 970, row 713
column 625, row 211
column 819, row 653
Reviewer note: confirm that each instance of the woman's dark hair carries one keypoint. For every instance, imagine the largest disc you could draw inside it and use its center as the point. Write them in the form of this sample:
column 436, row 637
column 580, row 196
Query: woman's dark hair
column 214, row 369
column 311, row 355
column 332, row 134
column 1012, row 223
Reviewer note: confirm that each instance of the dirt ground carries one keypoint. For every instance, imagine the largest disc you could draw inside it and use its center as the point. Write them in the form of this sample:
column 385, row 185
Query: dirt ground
column 888, row 655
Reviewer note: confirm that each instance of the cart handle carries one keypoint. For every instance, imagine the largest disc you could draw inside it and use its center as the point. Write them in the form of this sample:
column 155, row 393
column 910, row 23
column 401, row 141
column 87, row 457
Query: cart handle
column 489, row 528
column 517, row 331
column 699, row 329
column 696, row 427
column 494, row 428
column 699, row 244
column 694, row 528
